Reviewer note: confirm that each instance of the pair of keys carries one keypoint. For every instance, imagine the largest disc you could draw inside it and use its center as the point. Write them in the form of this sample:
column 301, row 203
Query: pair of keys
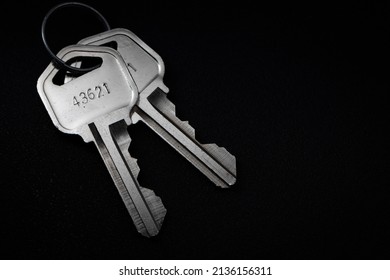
column 126, row 88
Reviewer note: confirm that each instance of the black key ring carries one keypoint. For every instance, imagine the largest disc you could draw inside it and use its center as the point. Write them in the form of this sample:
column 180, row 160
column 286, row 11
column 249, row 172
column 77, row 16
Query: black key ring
column 59, row 63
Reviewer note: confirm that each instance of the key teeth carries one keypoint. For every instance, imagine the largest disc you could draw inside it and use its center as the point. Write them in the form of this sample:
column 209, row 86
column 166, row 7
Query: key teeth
column 136, row 169
column 223, row 156
column 189, row 130
column 160, row 101
column 134, row 166
column 158, row 210
column 154, row 202
column 156, row 206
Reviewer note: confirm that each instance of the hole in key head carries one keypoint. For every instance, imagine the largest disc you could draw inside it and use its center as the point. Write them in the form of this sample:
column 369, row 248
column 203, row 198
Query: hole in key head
column 63, row 76
column 111, row 44
column 75, row 18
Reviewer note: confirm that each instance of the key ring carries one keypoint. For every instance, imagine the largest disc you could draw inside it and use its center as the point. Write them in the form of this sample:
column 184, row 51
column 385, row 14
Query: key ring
column 59, row 63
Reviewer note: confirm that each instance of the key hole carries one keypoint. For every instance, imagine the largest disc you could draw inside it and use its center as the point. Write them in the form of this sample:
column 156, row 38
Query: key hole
column 84, row 62
column 111, row 44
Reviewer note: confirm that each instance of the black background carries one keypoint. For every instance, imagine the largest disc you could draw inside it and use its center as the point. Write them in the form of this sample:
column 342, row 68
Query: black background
column 295, row 92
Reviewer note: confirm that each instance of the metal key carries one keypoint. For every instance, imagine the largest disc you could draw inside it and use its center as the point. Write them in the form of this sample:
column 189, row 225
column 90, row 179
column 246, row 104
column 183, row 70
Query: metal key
column 96, row 106
column 155, row 110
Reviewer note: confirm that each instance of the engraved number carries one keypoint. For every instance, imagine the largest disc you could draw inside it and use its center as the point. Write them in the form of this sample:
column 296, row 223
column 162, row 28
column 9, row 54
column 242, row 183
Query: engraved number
column 75, row 101
column 91, row 94
column 106, row 87
column 99, row 89
column 84, row 99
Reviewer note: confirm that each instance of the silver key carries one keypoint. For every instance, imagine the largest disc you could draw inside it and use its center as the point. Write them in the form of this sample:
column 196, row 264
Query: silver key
column 96, row 106
column 155, row 110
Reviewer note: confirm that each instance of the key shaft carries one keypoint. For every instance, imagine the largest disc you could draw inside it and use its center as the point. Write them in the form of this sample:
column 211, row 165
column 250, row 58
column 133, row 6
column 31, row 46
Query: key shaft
column 159, row 115
column 114, row 153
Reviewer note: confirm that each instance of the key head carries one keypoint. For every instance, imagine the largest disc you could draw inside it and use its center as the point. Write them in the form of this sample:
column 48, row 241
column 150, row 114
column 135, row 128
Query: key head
column 107, row 93
column 145, row 65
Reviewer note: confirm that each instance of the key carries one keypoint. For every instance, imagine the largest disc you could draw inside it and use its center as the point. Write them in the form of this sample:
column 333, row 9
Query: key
column 156, row 111
column 96, row 106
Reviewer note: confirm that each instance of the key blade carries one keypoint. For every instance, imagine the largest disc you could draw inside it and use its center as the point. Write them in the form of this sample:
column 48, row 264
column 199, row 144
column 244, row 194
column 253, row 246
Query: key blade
column 123, row 140
column 160, row 115
column 145, row 208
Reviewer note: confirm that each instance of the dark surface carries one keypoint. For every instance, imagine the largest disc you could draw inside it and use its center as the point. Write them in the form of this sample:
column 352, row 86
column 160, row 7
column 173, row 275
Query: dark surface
column 296, row 93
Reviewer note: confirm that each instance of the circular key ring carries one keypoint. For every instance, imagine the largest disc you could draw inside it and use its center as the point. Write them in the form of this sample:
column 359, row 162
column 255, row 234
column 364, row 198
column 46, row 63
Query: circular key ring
column 59, row 63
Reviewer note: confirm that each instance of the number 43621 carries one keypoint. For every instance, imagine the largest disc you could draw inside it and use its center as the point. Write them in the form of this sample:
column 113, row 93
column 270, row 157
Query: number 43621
column 91, row 94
